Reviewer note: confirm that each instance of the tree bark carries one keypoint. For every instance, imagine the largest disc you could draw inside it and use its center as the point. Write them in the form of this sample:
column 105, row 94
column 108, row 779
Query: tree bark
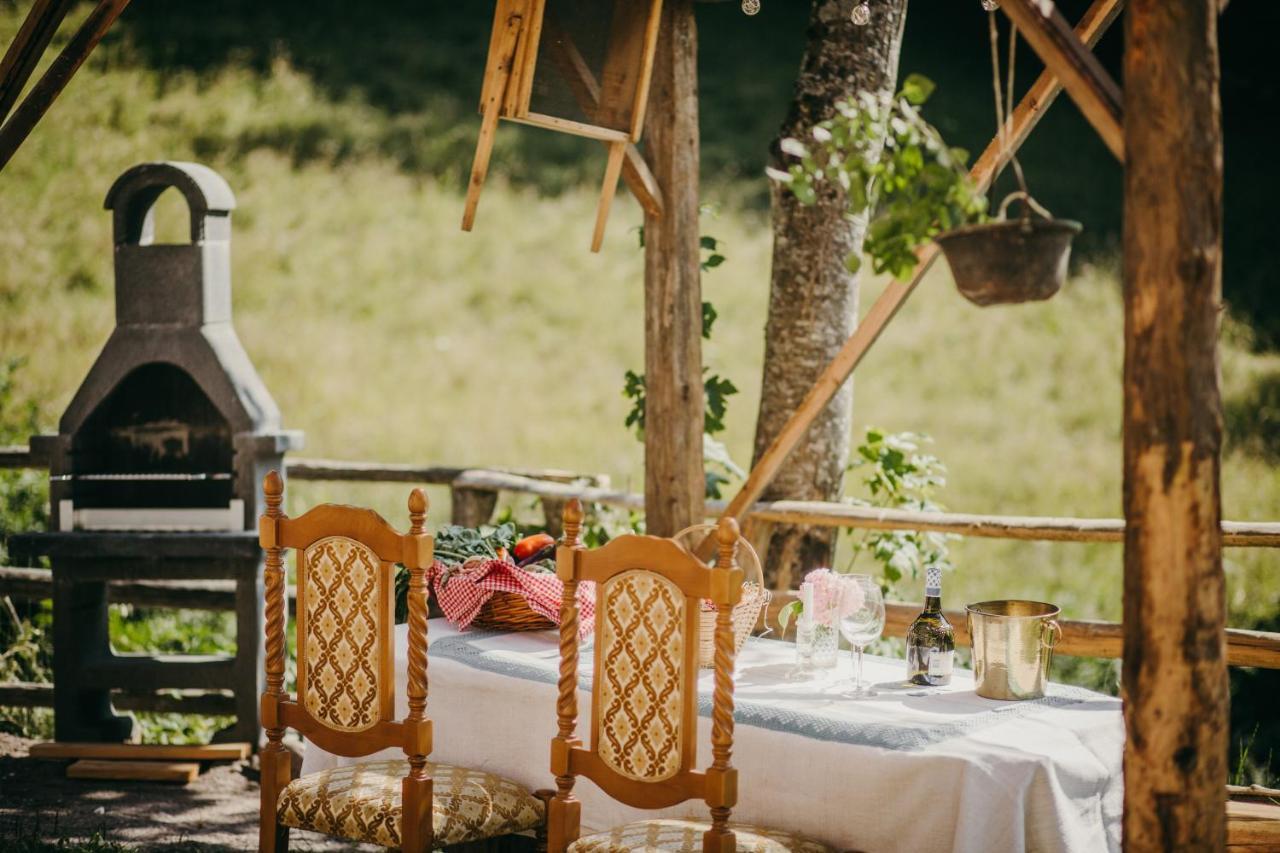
column 674, row 486
column 813, row 301
column 1175, row 677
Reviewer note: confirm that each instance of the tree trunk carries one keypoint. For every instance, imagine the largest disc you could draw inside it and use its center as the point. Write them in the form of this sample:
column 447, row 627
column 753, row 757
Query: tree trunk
column 674, row 486
column 813, row 302
column 1175, row 676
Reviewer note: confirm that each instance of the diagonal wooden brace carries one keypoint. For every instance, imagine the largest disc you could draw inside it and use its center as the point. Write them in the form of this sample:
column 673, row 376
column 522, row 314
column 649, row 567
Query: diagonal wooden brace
column 27, row 47
column 55, row 79
column 1018, row 127
column 1071, row 60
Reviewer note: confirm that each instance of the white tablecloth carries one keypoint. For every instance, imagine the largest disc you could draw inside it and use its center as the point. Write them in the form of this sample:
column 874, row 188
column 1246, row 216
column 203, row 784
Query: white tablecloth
column 908, row 770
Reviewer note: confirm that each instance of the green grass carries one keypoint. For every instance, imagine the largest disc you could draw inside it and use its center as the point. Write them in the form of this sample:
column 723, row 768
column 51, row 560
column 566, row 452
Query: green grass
column 388, row 334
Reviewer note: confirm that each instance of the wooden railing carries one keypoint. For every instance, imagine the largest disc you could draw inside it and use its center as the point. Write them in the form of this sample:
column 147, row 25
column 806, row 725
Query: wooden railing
column 474, row 493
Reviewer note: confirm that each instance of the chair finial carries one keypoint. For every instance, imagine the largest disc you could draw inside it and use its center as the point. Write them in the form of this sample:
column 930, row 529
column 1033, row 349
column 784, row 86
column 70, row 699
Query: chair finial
column 727, row 536
column 572, row 516
column 418, row 504
column 273, row 490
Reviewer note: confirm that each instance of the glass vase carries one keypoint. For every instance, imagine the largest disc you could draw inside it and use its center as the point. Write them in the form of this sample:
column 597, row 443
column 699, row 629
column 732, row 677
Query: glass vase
column 816, row 645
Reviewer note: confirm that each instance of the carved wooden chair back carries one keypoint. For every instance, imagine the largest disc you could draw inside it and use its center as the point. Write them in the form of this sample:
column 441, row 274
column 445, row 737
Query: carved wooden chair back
column 345, row 701
column 644, row 698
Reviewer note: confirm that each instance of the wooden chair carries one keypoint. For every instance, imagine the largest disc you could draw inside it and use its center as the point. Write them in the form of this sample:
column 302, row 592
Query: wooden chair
column 346, row 691
column 644, row 697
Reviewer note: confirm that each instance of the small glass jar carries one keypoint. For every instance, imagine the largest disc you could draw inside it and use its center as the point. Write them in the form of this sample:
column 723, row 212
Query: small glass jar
column 816, row 645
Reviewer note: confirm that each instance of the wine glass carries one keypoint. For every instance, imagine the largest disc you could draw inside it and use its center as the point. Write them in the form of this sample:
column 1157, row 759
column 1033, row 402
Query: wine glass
column 861, row 622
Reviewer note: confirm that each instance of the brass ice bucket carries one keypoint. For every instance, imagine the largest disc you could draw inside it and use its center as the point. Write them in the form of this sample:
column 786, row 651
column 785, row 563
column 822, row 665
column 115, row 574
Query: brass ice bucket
column 1012, row 647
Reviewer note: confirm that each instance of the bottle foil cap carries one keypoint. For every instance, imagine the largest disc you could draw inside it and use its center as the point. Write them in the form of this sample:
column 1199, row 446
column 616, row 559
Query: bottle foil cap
column 933, row 581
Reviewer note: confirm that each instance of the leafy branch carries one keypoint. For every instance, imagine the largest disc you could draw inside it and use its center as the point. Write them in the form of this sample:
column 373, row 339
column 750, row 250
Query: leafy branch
column 912, row 187
column 899, row 474
column 716, row 390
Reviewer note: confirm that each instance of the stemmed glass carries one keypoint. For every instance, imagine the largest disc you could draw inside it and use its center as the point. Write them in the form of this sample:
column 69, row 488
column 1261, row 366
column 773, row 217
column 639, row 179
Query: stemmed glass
column 861, row 622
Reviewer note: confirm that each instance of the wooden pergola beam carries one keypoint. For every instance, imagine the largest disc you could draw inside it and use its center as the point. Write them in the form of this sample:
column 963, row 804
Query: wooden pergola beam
column 1072, row 62
column 1025, row 116
column 55, row 79
column 1174, row 680
column 20, row 60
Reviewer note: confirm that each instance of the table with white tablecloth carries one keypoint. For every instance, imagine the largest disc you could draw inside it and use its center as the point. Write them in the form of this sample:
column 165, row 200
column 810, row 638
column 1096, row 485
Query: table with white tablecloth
column 931, row 769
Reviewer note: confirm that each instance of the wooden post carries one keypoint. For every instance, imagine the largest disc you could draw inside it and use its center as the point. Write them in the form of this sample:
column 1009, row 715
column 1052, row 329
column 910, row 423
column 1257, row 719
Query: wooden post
column 674, row 486
column 471, row 507
column 1175, row 677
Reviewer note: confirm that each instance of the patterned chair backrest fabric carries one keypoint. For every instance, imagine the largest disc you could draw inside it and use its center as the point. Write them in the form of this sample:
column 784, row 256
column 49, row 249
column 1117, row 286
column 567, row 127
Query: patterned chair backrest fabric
column 341, row 643
column 649, row 593
column 346, row 569
column 641, row 674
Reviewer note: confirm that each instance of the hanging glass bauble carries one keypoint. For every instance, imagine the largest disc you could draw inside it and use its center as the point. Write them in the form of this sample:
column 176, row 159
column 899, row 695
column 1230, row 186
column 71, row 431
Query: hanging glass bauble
column 750, row 7
column 861, row 14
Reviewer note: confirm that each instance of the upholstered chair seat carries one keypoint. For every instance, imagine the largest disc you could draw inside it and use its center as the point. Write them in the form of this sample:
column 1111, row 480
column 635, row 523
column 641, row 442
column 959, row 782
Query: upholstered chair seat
column 361, row 802
column 685, row 836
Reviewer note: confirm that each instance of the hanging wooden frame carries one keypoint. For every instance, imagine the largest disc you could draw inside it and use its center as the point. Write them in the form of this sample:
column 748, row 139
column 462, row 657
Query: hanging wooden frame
column 580, row 67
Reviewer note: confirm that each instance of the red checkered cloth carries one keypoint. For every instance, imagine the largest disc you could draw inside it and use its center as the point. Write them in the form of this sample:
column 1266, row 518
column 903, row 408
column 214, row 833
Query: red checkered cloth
column 463, row 590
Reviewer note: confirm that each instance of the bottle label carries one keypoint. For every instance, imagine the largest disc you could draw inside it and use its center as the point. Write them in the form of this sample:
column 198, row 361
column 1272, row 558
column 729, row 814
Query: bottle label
column 940, row 663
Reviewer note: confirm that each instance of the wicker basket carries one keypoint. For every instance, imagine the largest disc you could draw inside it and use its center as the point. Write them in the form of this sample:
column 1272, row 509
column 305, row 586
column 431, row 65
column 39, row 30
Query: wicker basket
column 510, row 611
column 754, row 596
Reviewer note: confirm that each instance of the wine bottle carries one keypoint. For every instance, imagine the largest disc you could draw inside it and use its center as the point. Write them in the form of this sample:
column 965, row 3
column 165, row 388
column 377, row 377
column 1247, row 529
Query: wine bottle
column 931, row 641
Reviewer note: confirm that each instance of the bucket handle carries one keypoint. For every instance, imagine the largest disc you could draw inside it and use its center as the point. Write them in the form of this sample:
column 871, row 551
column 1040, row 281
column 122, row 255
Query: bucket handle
column 1050, row 636
column 1029, row 204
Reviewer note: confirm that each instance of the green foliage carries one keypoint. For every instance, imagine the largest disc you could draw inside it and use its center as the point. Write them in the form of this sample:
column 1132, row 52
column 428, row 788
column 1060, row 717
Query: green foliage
column 602, row 523
column 716, row 390
column 890, row 164
column 719, row 467
column 23, row 494
column 177, row 632
column 709, row 317
column 898, row 474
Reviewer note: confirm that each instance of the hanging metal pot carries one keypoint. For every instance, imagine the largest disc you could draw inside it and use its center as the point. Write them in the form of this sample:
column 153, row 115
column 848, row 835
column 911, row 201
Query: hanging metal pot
column 1010, row 260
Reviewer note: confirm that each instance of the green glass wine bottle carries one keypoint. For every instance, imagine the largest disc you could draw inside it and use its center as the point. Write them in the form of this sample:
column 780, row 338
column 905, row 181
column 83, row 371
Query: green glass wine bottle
column 931, row 641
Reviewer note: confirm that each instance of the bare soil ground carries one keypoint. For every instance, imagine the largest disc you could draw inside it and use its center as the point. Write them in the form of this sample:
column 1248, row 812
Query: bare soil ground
column 217, row 812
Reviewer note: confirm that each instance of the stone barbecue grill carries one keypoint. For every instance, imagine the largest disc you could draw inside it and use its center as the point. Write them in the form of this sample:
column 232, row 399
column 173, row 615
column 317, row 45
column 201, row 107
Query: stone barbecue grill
column 156, row 469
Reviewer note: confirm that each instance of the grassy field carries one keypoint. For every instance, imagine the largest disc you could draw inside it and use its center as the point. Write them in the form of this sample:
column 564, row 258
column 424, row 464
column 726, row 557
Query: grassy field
column 388, row 334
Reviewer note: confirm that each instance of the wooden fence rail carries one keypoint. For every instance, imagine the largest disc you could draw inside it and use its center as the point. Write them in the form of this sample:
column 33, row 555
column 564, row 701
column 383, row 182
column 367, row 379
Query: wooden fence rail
column 554, row 486
column 37, row 585
column 27, row 694
column 1080, row 638
column 557, row 485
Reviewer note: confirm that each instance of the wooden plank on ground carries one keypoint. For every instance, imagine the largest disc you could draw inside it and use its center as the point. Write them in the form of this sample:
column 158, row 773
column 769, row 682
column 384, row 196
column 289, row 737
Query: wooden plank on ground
column 180, row 772
column 142, row 751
